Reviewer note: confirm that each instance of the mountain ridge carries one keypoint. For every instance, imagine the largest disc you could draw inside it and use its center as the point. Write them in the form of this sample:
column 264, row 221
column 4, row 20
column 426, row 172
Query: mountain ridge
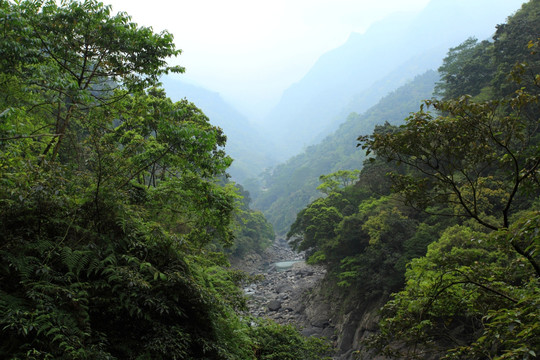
column 308, row 106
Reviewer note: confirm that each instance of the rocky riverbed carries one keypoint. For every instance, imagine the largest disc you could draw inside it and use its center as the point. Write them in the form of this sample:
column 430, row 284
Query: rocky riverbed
column 294, row 296
column 282, row 293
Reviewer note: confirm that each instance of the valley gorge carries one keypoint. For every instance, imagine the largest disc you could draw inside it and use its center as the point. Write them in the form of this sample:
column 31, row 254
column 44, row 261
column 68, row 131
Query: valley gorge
column 387, row 208
column 296, row 296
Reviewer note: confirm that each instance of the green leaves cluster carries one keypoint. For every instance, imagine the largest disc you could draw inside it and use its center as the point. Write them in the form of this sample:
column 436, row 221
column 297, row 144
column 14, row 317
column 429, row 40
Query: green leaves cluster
column 477, row 156
column 284, row 342
column 472, row 296
column 482, row 69
column 252, row 232
column 363, row 240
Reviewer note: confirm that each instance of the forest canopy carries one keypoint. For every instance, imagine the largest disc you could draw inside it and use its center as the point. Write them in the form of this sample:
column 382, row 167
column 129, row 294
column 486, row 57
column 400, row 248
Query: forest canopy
column 115, row 207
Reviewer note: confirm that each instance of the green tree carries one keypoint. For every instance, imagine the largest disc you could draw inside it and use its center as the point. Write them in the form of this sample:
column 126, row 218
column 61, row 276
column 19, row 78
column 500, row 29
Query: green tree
column 467, row 69
column 74, row 55
column 252, row 232
column 475, row 293
column 470, row 297
column 317, row 224
column 337, row 180
column 284, row 342
column 363, row 241
column 512, row 48
column 112, row 206
column 479, row 157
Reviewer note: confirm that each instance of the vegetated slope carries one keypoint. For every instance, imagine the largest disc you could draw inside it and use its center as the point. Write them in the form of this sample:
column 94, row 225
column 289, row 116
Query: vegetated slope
column 313, row 105
column 450, row 239
column 280, row 194
column 251, row 151
column 366, row 98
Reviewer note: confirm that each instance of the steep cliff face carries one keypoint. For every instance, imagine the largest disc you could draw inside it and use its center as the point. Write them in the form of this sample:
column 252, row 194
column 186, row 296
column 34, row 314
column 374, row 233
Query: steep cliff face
column 351, row 321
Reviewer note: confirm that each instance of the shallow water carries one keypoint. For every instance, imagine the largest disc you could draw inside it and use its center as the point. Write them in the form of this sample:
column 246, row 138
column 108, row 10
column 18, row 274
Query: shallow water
column 285, row 265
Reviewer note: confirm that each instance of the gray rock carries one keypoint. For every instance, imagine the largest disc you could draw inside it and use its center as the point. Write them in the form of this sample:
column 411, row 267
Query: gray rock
column 274, row 305
column 328, row 332
column 310, row 331
column 283, row 288
column 320, row 323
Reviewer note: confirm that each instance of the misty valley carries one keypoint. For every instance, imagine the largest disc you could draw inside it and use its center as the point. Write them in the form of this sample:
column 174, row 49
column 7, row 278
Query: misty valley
column 387, row 206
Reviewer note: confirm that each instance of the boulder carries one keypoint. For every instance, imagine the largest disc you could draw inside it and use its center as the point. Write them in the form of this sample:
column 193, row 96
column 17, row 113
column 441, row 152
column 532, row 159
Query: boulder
column 310, row 331
column 283, row 288
column 320, row 323
column 274, row 305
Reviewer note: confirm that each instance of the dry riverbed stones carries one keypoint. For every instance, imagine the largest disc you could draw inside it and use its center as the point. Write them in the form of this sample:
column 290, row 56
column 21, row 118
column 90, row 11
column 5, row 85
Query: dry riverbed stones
column 281, row 294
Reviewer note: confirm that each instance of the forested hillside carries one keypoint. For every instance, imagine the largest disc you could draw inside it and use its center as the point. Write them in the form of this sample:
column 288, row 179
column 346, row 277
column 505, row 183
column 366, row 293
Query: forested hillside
column 285, row 190
column 114, row 211
column 449, row 237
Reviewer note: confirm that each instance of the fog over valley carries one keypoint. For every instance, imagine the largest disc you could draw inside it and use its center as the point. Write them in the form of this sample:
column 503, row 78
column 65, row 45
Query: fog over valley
column 349, row 78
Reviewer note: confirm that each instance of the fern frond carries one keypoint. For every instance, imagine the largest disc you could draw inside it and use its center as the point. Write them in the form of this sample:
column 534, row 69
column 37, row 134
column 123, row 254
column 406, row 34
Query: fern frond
column 77, row 260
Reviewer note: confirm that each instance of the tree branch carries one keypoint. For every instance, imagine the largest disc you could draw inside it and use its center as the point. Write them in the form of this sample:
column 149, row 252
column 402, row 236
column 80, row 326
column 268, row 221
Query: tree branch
column 16, row 137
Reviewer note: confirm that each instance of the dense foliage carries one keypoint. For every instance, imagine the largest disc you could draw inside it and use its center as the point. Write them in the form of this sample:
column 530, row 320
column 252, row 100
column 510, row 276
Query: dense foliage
column 363, row 234
column 113, row 208
column 481, row 276
column 253, row 233
column 452, row 230
column 285, row 343
column 475, row 294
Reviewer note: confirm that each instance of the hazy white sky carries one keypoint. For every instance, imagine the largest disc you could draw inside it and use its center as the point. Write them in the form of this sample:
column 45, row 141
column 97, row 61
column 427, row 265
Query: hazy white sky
column 252, row 50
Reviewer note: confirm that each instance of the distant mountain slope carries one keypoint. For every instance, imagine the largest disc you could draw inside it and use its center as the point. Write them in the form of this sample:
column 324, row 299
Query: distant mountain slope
column 245, row 144
column 282, row 193
column 340, row 77
column 366, row 98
